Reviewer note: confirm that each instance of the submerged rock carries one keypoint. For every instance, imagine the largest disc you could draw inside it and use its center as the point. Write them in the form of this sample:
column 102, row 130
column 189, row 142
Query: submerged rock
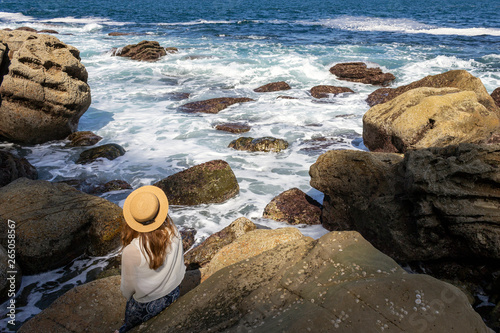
column 293, row 207
column 144, row 51
column 265, row 144
column 359, row 72
column 274, row 86
column 428, row 117
column 109, row 151
column 12, row 168
column 213, row 105
column 43, row 89
column 233, row 127
column 56, row 223
column 325, row 91
column 84, row 138
column 210, row 182
column 203, row 253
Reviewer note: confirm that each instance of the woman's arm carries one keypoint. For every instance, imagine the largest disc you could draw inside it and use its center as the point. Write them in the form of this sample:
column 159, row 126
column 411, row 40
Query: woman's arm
column 131, row 259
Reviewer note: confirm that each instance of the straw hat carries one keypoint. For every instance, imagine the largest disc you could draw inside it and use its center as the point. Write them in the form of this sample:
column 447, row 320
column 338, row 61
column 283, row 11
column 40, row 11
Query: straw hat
column 146, row 208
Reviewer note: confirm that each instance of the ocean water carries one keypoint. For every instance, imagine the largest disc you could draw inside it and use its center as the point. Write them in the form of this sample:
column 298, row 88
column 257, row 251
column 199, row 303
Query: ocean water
column 227, row 49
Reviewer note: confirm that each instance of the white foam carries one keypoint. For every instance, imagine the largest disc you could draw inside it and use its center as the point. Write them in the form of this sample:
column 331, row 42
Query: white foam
column 84, row 21
column 15, row 17
column 198, row 22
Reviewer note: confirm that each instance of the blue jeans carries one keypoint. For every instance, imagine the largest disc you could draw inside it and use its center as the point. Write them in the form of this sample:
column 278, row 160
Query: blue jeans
column 136, row 313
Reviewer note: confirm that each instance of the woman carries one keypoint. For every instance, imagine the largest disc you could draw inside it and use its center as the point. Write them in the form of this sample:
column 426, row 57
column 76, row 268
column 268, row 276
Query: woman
column 152, row 257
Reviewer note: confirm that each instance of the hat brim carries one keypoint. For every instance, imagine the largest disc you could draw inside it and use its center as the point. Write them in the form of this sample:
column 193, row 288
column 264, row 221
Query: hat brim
column 162, row 211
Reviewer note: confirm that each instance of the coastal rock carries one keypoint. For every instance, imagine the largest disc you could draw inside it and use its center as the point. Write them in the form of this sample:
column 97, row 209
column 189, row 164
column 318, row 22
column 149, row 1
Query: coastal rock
column 213, row 105
column 233, row 127
column 48, row 31
column 293, row 207
column 109, row 151
column 113, row 185
column 56, row 223
column 144, row 51
column 84, row 138
column 203, row 253
column 359, row 72
column 496, row 96
column 435, row 204
column 43, row 89
column 274, row 86
column 428, row 117
column 325, row 91
column 97, row 306
column 116, row 33
column 12, row 168
column 29, row 29
column 187, row 235
column 459, row 79
column 9, row 282
column 337, row 283
column 210, row 182
column 248, row 245
column 265, row 144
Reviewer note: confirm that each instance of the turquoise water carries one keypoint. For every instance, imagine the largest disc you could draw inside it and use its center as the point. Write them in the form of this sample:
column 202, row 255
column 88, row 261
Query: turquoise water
column 228, row 48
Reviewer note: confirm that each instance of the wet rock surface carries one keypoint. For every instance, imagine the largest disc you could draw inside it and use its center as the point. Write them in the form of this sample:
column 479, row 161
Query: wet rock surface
column 233, row 127
column 214, row 105
column 360, row 72
column 108, row 151
column 265, row 144
column 12, row 168
column 144, row 51
column 274, row 86
column 325, row 91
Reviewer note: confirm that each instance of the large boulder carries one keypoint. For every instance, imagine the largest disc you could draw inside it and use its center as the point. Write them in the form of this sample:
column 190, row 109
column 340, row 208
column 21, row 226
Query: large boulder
column 265, row 144
column 428, row 117
column 324, row 91
column 360, row 72
column 209, row 182
column 203, row 253
column 43, row 90
column 459, row 79
column 293, row 207
column 56, row 223
column 435, row 204
column 12, row 168
column 144, row 51
column 213, row 105
column 337, row 283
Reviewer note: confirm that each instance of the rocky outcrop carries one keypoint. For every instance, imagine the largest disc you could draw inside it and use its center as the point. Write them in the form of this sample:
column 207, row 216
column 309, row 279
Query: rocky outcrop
column 213, row 105
column 428, row 117
column 233, row 127
column 435, row 204
column 337, row 283
column 12, row 168
column 293, row 207
column 265, row 144
column 144, row 51
column 43, row 89
column 459, row 79
column 325, row 91
column 210, row 182
column 109, row 151
column 274, row 86
column 84, row 138
column 56, row 223
column 360, row 72
column 203, row 253
column 496, row 96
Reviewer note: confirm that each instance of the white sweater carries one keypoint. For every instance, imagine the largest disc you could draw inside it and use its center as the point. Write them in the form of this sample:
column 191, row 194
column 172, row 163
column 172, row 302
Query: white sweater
column 146, row 284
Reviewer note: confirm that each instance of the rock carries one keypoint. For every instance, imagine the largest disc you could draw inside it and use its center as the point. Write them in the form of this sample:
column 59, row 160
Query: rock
column 435, row 204
column 109, row 151
column 44, row 90
column 26, row 29
column 144, row 51
column 177, row 96
column 10, row 272
column 265, row 144
column 496, row 96
column 187, row 235
column 12, row 168
column 233, row 127
column 84, row 138
column 274, row 86
column 286, row 97
column 248, row 245
column 459, row 79
column 48, row 31
column 115, row 33
column 325, row 91
column 428, row 117
column 210, row 182
column 97, row 306
column 213, row 105
column 337, row 283
column 56, row 223
column 113, row 185
column 359, row 72
column 293, row 207
column 202, row 254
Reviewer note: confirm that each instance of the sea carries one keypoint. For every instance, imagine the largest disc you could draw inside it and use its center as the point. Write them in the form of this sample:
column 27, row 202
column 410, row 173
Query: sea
column 227, row 49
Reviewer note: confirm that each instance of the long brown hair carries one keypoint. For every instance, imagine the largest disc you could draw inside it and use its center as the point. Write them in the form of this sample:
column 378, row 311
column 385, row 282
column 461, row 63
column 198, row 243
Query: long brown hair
column 154, row 243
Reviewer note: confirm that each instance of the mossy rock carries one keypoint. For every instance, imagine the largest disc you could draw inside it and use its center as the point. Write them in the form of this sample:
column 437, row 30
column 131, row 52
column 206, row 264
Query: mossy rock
column 109, row 151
